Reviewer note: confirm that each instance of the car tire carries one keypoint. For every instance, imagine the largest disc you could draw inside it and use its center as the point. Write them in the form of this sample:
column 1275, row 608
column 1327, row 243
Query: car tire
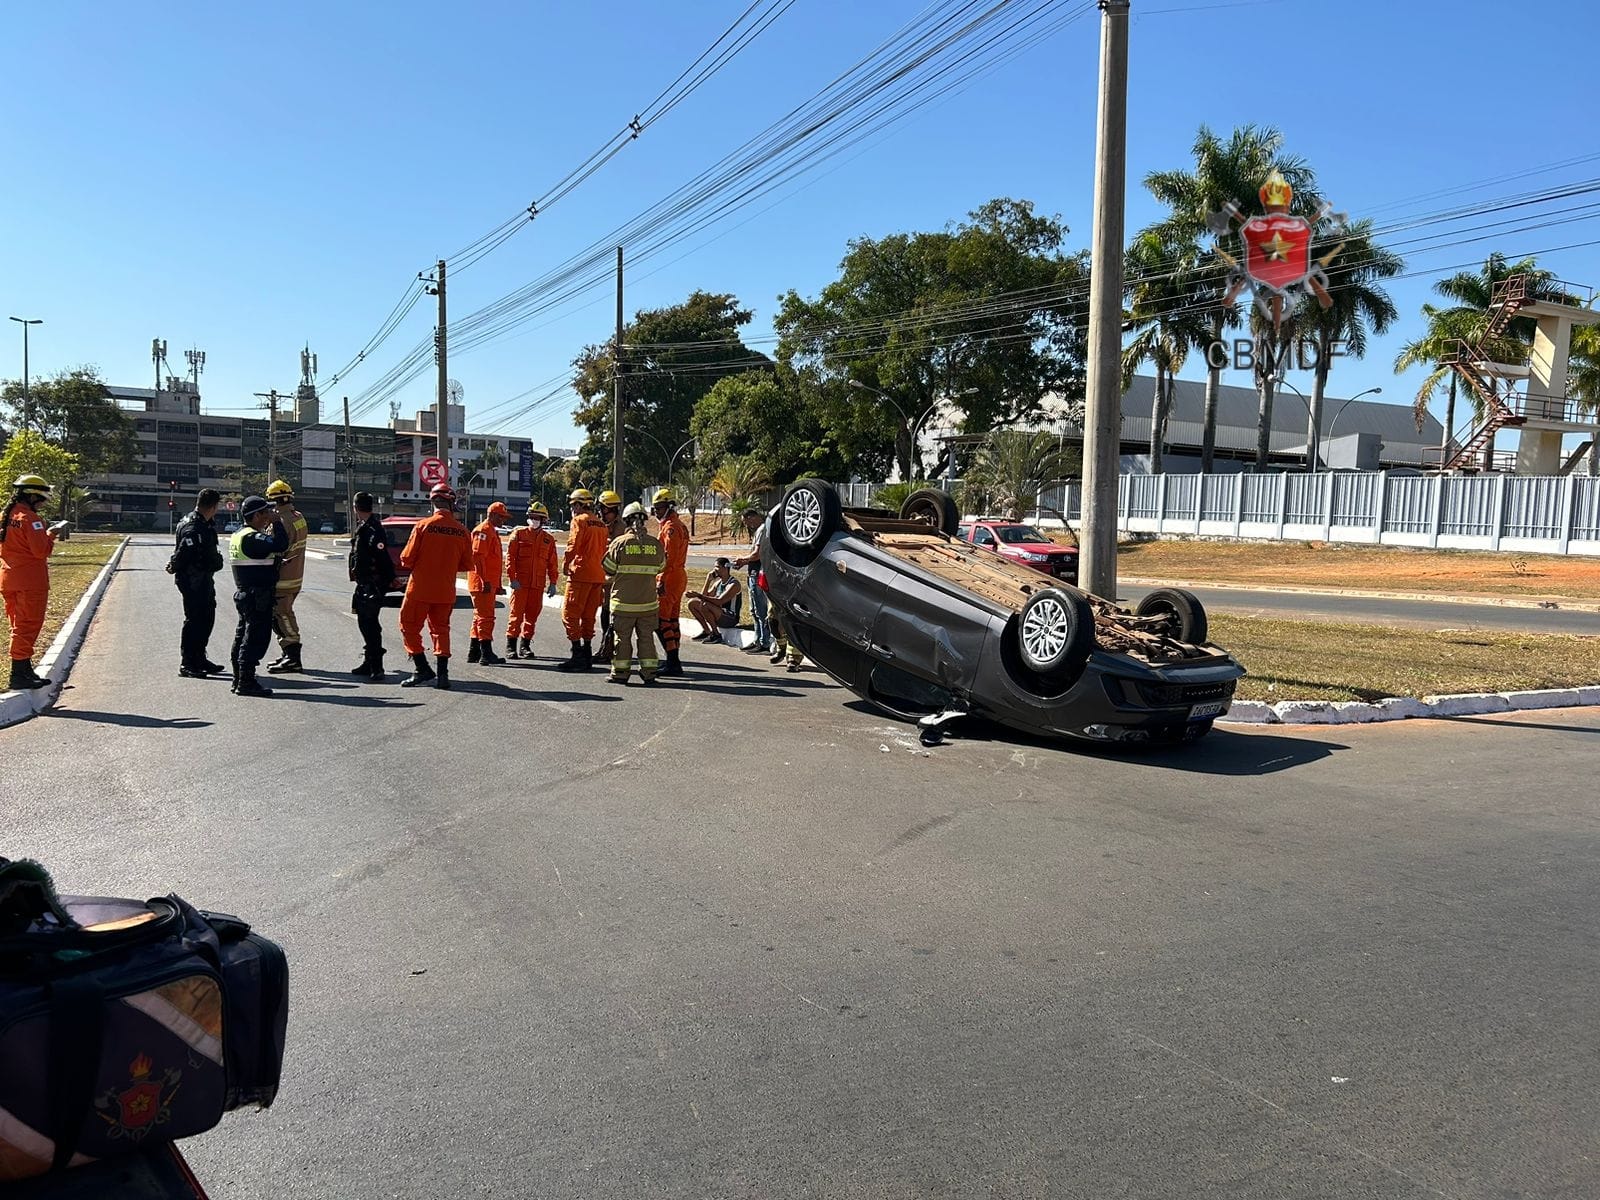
column 933, row 506
column 1055, row 633
column 809, row 514
column 1185, row 609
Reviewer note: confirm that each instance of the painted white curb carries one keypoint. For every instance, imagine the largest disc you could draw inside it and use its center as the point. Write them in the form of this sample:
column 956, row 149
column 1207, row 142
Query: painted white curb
column 1356, row 712
column 63, row 652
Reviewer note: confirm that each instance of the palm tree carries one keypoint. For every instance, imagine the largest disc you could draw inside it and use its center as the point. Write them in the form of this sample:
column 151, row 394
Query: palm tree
column 692, row 483
column 1583, row 380
column 1013, row 466
column 739, row 478
column 1161, row 291
column 1224, row 171
column 1465, row 321
column 1358, row 305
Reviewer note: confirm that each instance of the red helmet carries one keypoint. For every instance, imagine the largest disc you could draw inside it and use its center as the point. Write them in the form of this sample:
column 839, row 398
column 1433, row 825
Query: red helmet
column 442, row 491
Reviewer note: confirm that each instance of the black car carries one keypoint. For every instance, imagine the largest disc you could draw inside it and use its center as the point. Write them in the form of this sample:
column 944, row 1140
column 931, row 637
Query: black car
column 931, row 628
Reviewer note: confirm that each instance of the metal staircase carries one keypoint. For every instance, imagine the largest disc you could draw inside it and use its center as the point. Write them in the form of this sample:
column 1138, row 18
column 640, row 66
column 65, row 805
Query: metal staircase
column 1472, row 362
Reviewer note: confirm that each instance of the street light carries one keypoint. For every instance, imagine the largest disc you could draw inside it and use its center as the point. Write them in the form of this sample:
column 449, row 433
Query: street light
column 1373, row 391
column 1322, row 459
column 27, row 407
column 912, row 426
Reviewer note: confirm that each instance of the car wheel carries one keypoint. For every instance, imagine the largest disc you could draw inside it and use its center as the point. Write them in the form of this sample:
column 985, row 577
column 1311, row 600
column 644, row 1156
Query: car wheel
column 1188, row 615
column 934, row 507
column 809, row 514
column 1055, row 632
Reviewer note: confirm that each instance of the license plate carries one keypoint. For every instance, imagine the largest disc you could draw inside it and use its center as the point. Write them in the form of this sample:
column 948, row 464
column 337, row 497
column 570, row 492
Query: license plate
column 1199, row 712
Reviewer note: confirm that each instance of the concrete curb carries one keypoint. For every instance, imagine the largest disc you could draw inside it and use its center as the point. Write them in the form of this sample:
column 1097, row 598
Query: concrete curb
column 63, row 652
column 1561, row 602
column 1401, row 708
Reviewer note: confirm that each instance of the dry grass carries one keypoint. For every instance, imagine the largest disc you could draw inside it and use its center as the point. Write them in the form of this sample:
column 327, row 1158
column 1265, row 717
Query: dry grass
column 73, row 567
column 1312, row 660
column 1372, row 568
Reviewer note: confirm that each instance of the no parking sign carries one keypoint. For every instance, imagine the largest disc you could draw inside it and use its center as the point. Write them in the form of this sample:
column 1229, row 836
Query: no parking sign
column 430, row 473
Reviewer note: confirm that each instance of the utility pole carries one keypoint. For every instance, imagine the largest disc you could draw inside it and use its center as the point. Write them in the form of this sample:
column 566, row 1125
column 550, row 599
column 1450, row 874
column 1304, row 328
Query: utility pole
column 349, row 475
column 441, row 357
column 272, row 434
column 616, row 390
column 27, row 403
column 1103, row 419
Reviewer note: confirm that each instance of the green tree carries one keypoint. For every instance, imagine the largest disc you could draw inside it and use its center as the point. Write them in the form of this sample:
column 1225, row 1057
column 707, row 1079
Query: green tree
column 740, row 478
column 771, row 416
column 1161, row 287
column 1358, row 305
column 28, row 453
column 1013, row 466
column 671, row 357
column 1224, row 172
column 985, row 317
column 74, row 410
column 691, row 484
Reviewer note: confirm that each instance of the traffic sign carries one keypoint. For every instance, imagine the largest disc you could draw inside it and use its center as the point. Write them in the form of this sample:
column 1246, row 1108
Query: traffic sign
column 233, row 506
column 431, row 471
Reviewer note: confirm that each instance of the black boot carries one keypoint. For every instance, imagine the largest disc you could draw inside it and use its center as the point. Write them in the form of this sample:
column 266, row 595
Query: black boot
column 443, row 662
column 588, row 654
column 511, row 646
column 22, row 677
column 421, row 672
column 375, row 672
column 248, row 686
column 574, row 663
column 365, row 669
column 289, row 662
column 672, row 666
column 486, row 654
column 526, row 650
column 475, row 652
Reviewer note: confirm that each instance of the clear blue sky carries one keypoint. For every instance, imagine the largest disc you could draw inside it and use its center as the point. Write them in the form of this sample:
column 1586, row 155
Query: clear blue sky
column 247, row 179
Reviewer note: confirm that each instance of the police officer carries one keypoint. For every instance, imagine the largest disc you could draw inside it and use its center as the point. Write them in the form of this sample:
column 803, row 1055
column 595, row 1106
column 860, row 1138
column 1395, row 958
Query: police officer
column 193, row 566
column 253, row 553
column 372, row 571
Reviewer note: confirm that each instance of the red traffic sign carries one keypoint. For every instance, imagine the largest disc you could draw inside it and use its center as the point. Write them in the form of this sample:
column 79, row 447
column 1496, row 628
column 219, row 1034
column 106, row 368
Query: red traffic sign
column 232, row 507
column 431, row 471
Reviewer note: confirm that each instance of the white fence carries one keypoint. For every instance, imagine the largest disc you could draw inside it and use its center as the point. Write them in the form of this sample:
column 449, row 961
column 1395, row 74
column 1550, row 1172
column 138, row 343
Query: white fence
column 1528, row 513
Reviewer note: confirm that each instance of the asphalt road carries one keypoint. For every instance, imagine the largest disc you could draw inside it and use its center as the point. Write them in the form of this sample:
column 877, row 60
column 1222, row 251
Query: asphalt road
column 735, row 937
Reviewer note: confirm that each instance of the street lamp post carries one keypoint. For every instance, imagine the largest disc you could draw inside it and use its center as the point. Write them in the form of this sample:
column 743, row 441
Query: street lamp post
column 1312, row 443
column 1372, row 391
column 910, row 425
column 1313, row 452
column 27, row 405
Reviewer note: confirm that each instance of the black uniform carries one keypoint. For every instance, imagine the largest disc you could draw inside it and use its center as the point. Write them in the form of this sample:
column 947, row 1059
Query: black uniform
column 372, row 571
column 254, row 557
column 194, row 565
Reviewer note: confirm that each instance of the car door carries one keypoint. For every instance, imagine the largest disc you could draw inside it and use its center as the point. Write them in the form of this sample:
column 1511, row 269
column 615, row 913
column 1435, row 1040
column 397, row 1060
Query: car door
column 837, row 607
column 933, row 631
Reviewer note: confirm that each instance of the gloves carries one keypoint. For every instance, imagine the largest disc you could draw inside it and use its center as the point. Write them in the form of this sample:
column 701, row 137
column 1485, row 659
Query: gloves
column 551, row 591
column 515, row 586
column 60, row 530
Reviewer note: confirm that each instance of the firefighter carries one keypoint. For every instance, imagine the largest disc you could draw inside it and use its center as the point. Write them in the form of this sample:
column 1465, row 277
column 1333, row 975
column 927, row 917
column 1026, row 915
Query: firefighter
column 372, row 571
column 632, row 564
column 195, row 561
column 674, row 535
column 586, row 579
column 532, row 568
column 291, row 575
column 438, row 550
column 254, row 552
column 25, row 545
column 484, row 584
column 610, row 513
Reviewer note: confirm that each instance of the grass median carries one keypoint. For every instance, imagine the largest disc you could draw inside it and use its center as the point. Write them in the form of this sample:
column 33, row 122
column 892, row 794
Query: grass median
column 73, row 567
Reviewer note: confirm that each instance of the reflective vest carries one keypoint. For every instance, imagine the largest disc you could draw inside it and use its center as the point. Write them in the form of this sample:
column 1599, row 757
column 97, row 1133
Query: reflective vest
column 633, row 561
column 252, row 574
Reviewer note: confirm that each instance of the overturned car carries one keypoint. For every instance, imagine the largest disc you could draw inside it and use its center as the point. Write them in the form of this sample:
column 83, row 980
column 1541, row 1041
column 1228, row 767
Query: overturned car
column 931, row 628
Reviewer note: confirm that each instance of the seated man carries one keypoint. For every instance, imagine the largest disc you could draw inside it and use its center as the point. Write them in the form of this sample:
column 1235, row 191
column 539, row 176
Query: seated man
column 717, row 607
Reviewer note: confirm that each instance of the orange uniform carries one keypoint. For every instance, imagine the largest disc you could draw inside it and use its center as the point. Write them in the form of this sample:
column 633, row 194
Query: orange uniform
column 25, row 577
column 674, row 577
column 533, row 564
column 587, row 541
column 438, row 550
column 483, row 579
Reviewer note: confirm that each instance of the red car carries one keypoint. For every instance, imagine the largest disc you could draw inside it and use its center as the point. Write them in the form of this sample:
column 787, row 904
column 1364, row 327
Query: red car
column 397, row 530
column 1023, row 544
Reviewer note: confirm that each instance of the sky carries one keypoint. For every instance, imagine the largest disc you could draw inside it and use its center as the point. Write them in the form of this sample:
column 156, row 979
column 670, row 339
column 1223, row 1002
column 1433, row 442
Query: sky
column 251, row 179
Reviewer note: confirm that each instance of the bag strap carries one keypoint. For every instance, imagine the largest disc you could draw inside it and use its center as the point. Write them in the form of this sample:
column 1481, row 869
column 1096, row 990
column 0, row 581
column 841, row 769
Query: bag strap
column 28, row 946
column 76, row 1034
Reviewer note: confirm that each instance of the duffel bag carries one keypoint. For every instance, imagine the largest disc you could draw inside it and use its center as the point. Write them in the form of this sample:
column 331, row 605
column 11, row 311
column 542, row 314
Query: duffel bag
column 129, row 1024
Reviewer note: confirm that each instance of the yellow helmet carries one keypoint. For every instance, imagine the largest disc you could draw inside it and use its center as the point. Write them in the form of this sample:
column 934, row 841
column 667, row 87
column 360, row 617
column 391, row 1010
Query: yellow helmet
column 663, row 496
column 537, row 509
column 30, row 483
column 610, row 499
column 581, row 496
column 279, row 490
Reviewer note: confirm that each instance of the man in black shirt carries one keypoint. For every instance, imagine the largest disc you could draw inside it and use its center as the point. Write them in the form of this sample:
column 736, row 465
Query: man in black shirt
column 372, row 571
column 193, row 566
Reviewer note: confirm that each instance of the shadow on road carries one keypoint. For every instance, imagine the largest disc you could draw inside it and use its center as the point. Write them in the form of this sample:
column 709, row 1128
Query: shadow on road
column 356, row 701
column 483, row 687
column 1519, row 724
column 131, row 720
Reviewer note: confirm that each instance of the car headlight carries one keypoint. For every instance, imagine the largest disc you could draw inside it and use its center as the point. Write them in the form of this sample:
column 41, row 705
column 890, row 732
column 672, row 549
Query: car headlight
column 1034, row 558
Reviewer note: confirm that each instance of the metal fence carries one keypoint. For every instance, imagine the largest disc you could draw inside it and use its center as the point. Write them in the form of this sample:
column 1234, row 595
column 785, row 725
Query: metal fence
column 1528, row 513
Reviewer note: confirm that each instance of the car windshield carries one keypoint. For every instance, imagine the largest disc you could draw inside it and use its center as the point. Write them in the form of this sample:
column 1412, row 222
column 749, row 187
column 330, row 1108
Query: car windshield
column 1013, row 535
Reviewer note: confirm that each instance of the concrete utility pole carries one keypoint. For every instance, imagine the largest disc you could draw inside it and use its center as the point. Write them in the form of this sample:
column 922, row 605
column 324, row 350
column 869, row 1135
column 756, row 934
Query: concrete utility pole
column 1103, row 420
column 272, row 433
column 27, row 404
column 441, row 356
column 349, row 474
column 616, row 390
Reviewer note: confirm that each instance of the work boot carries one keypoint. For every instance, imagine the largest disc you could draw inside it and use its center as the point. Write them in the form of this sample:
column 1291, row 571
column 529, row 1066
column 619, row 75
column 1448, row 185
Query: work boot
column 778, row 652
column 588, row 654
column 526, row 650
column 375, row 673
column 486, row 654
column 672, row 666
column 211, row 668
column 421, row 672
column 511, row 646
column 443, row 662
column 289, row 662
column 575, row 662
column 613, row 677
column 365, row 669
column 22, row 677
column 248, row 685
column 475, row 651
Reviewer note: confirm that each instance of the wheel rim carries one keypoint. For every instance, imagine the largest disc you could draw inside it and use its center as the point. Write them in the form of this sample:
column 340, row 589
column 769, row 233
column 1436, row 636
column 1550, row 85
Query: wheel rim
column 802, row 516
column 1044, row 630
